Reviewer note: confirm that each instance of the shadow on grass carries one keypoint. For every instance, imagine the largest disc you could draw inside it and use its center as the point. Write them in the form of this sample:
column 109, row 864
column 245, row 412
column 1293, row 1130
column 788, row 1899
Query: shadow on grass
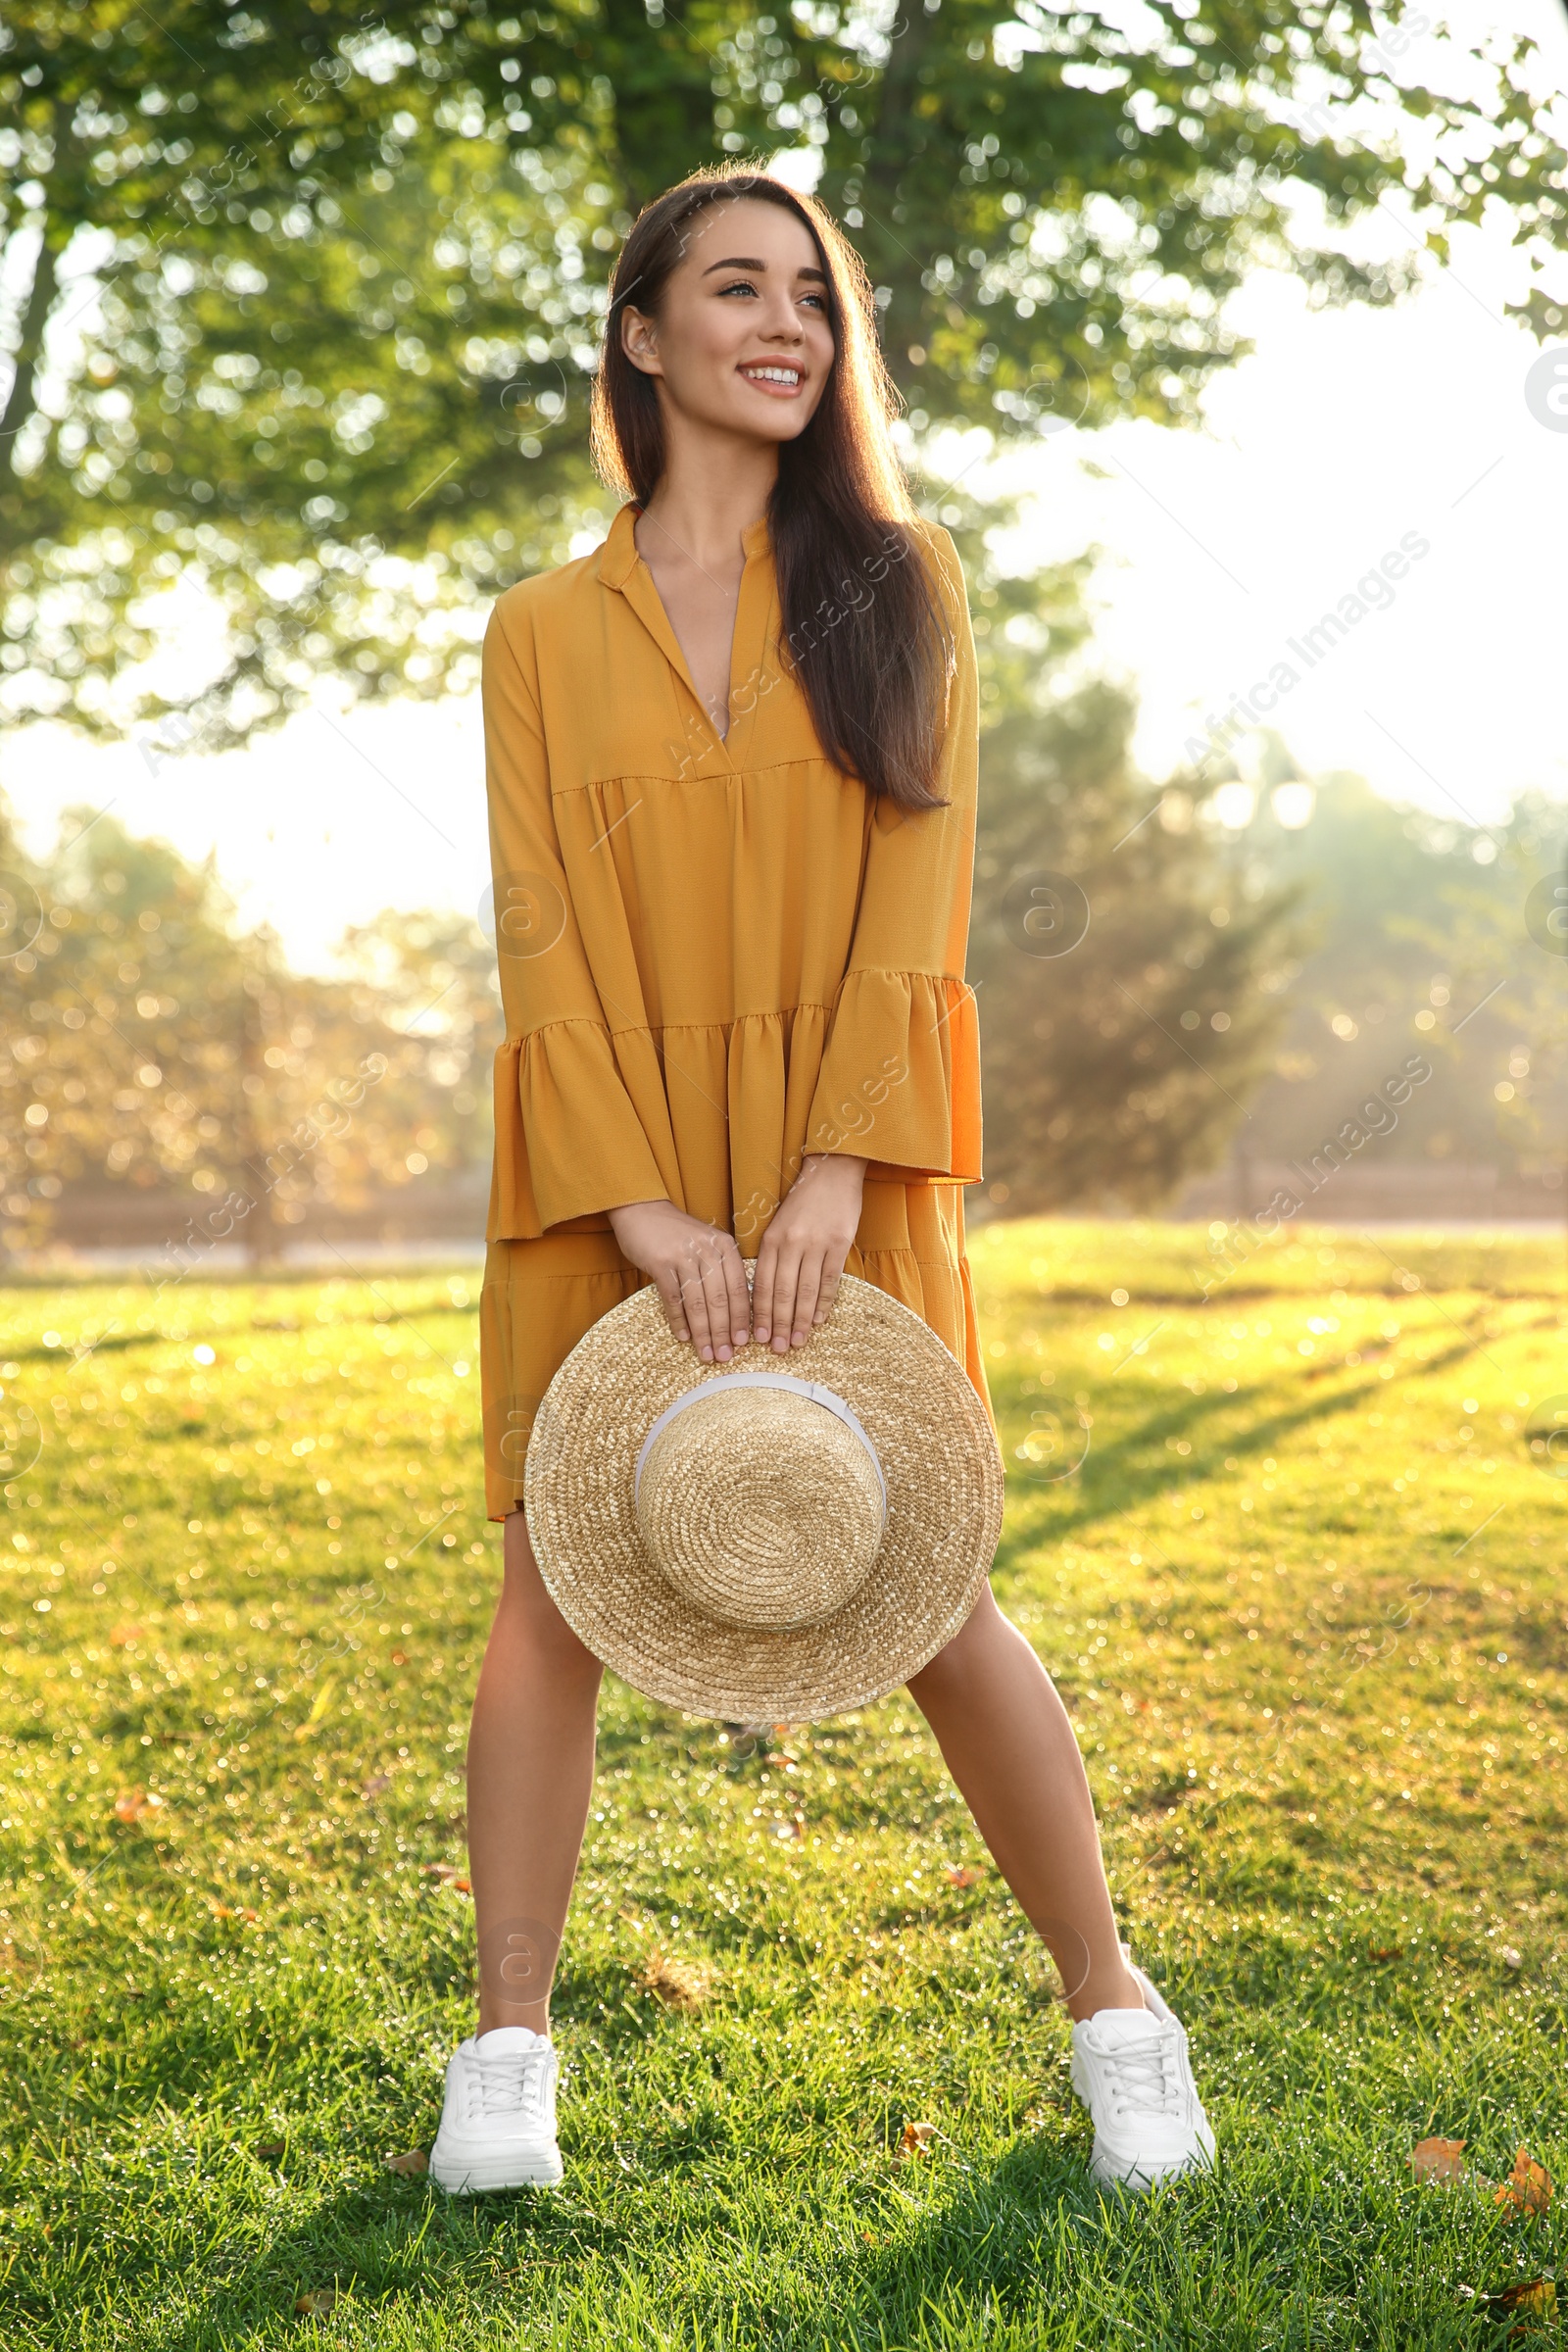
column 381, row 2245
column 1036, row 2254
column 1119, row 1477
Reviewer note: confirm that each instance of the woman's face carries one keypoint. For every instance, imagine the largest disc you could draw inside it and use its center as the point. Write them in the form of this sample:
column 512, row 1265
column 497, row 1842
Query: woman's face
column 742, row 341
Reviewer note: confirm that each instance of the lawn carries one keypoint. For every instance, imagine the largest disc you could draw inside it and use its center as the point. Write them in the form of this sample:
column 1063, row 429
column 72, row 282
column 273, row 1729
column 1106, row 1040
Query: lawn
column 1298, row 1570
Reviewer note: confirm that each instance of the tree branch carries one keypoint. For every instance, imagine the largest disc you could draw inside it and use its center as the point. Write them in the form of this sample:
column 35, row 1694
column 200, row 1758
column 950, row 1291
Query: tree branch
column 897, row 135
column 18, row 403
column 17, row 410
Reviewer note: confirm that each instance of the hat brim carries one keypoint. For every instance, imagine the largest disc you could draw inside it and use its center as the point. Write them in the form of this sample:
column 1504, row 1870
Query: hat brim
column 944, row 1488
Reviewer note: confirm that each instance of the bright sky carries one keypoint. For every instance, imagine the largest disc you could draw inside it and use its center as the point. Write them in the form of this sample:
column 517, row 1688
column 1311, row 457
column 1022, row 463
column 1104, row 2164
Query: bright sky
column 1347, row 434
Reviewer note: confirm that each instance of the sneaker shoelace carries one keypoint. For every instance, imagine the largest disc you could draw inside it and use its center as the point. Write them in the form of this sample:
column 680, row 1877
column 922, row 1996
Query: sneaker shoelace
column 1145, row 2079
column 510, row 2084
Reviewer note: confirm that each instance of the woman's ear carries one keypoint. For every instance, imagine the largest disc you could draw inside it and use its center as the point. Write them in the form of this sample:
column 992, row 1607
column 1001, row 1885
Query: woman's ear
column 639, row 340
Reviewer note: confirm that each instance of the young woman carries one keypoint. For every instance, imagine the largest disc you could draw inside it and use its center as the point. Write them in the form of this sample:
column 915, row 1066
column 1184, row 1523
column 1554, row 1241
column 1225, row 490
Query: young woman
column 733, row 763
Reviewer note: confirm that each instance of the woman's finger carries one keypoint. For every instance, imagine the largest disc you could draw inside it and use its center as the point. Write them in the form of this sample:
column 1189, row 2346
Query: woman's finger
column 807, row 1290
column 763, row 1280
column 740, row 1297
column 694, row 1299
column 785, row 1283
column 832, row 1276
column 668, row 1284
column 717, row 1304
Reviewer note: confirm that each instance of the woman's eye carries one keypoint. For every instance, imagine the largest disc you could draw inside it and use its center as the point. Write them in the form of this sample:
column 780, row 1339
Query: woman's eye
column 742, row 286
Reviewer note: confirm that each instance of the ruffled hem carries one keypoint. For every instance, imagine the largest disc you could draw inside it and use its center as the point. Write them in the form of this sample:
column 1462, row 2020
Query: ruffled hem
column 900, row 1083
column 718, row 1117
column 568, row 1140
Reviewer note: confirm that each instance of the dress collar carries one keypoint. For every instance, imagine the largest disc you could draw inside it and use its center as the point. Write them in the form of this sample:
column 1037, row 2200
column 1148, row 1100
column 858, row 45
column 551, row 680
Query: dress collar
column 621, row 567
column 618, row 558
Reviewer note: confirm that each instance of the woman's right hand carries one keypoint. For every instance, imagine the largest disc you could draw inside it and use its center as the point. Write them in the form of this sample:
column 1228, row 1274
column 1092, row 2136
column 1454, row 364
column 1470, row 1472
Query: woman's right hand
column 699, row 1271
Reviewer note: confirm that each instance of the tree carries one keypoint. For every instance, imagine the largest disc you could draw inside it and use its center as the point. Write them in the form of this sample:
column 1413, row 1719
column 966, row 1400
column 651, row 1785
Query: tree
column 149, row 1044
column 307, row 312
column 1130, row 991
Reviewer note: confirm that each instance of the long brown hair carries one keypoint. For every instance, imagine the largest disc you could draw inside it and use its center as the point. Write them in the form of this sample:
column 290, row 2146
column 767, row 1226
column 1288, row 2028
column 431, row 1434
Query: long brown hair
column 865, row 626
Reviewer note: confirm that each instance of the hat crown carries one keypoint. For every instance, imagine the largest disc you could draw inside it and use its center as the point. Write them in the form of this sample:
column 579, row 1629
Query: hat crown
column 760, row 1507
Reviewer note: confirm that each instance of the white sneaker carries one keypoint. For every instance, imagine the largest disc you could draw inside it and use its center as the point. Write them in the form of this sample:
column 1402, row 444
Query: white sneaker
column 498, row 2121
column 1131, row 2070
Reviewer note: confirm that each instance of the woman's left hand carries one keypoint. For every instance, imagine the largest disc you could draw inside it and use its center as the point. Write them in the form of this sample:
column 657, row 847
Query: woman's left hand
column 804, row 1250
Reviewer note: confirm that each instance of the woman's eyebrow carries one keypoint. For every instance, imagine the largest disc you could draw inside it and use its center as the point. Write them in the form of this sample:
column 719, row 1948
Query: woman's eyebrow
column 741, row 260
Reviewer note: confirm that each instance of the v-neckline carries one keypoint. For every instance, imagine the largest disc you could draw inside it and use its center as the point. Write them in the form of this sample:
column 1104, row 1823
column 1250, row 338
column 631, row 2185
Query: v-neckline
column 642, row 591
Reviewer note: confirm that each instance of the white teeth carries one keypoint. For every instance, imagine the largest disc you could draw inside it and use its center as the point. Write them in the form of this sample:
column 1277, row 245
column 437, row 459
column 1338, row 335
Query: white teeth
column 772, row 375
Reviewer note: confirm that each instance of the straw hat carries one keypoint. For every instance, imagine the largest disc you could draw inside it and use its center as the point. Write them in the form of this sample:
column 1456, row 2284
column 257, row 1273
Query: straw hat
column 776, row 1539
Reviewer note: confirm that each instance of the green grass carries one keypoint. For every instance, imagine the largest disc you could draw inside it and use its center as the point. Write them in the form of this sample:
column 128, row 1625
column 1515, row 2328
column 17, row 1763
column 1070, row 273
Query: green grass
column 1305, row 1601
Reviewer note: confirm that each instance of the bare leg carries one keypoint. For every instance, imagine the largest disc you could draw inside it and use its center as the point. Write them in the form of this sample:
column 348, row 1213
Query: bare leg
column 1006, row 1740
column 530, row 1777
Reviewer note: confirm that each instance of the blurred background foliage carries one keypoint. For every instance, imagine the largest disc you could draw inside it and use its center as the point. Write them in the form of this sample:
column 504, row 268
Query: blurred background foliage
column 1245, row 988
column 151, row 1046
column 1417, row 916
column 1129, row 995
column 1232, row 963
column 301, row 309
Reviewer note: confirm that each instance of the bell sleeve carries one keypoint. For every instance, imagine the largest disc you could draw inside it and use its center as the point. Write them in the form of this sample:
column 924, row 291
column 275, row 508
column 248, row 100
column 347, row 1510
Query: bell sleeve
column 899, row 1080
column 568, row 1141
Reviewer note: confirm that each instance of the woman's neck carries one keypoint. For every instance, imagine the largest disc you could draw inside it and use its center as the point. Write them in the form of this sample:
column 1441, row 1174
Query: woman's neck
column 713, row 489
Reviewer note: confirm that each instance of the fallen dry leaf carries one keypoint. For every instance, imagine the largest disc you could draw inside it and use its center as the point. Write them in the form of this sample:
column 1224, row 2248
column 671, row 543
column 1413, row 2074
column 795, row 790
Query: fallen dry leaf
column 969, row 1876
column 131, row 1803
column 414, row 2161
column 270, row 2147
column 678, row 1983
column 448, row 1874
column 1531, row 2298
column 1386, row 1952
column 379, row 1783
column 1437, row 2159
column 917, row 2141
column 1528, row 2187
column 123, row 1635
column 315, row 2301
column 230, row 1910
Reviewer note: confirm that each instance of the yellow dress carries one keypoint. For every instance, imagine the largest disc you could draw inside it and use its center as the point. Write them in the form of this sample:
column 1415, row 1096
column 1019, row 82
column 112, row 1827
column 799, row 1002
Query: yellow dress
column 715, row 956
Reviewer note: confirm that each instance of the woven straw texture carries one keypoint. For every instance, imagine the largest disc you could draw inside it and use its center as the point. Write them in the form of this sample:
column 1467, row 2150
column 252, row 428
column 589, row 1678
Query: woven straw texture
column 761, row 1508
column 672, row 1625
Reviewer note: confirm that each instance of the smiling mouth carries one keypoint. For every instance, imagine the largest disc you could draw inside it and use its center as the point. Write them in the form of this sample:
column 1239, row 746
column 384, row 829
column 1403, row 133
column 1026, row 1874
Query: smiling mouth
column 780, row 373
